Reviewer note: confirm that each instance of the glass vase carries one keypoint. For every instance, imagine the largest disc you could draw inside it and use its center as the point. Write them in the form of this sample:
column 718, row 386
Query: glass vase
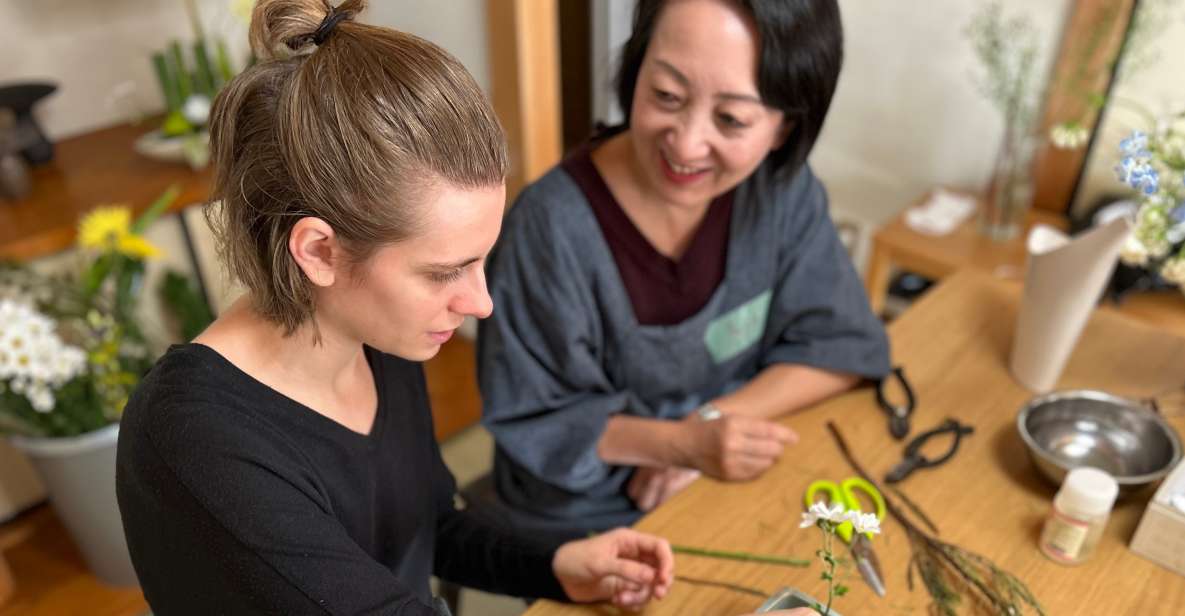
column 1010, row 193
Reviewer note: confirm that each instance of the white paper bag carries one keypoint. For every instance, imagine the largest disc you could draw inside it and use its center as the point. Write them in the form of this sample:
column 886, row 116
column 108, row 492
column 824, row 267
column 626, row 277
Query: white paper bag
column 1064, row 281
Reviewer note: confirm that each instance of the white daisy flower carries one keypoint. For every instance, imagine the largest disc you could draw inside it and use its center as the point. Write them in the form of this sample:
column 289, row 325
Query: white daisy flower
column 864, row 522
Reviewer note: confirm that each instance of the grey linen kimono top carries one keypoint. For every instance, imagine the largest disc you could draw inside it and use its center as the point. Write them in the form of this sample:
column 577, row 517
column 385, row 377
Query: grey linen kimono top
column 562, row 351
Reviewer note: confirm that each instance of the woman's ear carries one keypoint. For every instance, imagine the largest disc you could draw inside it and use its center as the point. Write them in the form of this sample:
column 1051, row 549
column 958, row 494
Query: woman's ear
column 784, row 132
column 314, row 246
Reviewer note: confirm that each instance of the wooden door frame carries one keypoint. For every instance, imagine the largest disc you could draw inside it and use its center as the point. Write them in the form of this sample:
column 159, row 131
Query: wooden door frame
column 1092, row 40
column 524, row 51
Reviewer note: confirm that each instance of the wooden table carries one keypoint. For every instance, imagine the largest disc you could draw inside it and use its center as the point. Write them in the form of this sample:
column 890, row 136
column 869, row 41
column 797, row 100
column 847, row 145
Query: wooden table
column 954, row 346
column 896, row 245
column 88, row 170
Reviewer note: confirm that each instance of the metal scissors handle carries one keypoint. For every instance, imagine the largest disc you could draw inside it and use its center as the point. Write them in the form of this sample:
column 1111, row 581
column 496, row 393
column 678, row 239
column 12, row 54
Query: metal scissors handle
column 844, row 493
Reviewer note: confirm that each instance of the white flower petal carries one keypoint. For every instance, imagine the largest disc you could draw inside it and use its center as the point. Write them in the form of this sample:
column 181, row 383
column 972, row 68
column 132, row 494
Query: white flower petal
column 819, row 509
column 866, row 522
column 836, row 514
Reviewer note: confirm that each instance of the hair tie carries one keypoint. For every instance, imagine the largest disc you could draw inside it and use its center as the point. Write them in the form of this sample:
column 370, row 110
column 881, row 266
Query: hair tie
column 328, row 24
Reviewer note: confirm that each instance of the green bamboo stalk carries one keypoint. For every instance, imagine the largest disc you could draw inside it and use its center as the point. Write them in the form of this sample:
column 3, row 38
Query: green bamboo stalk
column 741, row 556
column 168, row 85
column 207, row 81
column 225, row 71
column 183, row 79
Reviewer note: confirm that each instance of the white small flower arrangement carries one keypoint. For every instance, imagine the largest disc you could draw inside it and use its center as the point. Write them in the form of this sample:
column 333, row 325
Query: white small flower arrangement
column 1151, row 162
column 34, row 362
column 829, row 520
column 1154, row 164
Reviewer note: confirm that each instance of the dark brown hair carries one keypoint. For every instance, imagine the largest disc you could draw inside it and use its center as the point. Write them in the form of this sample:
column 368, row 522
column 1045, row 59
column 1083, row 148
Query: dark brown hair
column 354, row 131
column 798, row 68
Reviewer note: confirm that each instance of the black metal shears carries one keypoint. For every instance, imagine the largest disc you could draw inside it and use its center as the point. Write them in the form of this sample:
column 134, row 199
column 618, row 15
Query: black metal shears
column 914, row 460
column 898, row 413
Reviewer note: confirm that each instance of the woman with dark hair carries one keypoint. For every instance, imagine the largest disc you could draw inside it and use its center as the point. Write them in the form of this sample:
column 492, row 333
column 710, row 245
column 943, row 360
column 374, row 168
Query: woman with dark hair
column 676, row 284
column 284, row 462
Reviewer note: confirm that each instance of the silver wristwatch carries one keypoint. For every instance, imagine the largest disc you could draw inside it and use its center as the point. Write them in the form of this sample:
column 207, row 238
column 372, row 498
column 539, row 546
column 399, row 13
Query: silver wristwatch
column 709, row 412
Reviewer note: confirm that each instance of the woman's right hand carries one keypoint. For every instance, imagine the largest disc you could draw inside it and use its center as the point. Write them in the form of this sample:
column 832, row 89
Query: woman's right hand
column 735, row 447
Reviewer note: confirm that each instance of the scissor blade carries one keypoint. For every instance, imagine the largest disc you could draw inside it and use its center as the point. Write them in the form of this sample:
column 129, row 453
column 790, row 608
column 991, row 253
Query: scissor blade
column 868, row 564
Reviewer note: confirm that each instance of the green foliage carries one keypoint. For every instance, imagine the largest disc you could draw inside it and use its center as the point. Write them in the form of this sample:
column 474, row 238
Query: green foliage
column 182, row 75
column 1006, row 47
column 185, row 302
column 93, row 309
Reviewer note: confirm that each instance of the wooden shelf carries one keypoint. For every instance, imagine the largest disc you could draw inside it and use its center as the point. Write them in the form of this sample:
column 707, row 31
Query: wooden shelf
column 897, row 246
column 89, row 170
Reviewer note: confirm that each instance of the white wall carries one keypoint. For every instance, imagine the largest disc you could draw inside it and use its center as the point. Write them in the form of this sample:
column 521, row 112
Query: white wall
column 907, row 115
column 94, row 49
column 456, row 25
column 90, row 49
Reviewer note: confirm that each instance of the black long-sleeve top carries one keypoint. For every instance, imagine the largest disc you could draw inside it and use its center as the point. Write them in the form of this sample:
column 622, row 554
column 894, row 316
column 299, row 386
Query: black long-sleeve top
column 239, row 500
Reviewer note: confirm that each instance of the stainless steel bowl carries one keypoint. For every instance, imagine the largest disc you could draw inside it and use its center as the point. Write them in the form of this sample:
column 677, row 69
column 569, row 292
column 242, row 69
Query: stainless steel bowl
column 1068, row 429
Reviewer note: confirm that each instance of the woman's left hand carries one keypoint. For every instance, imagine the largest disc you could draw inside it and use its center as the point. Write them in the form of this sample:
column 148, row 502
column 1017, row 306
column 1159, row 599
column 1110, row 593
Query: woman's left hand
column 622, row 565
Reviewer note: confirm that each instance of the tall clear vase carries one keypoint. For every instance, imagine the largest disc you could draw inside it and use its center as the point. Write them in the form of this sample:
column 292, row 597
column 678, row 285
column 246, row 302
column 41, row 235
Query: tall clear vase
column 1010, row 193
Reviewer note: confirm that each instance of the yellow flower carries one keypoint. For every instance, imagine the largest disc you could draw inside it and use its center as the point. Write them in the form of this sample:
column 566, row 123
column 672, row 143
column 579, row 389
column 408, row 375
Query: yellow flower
column 110, row 228
column 104, row 226
column 137, row 247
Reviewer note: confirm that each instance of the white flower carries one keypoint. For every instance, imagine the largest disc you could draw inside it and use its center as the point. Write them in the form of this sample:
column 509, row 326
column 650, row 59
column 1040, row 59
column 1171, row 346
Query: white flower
column 33, row 357
column 1134, row 252
column 864, row 522
column 820, row 511
column 1069, row 135
column 196, row 109
column 1175, row 234
column 40, row 397
column 1173, row 270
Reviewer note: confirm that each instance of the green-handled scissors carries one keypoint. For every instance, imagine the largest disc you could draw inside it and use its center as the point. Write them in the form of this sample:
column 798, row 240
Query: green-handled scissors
column 845, row 493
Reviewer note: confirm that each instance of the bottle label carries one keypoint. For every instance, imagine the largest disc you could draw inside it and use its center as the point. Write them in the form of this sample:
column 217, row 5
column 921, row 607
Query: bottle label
column 1065, row 536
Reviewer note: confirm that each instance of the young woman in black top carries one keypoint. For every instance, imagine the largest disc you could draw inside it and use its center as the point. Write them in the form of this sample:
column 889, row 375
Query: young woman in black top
column 284, row 461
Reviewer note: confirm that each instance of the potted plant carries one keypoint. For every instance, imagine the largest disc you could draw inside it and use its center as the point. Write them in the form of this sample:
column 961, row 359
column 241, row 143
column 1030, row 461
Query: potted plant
column 71, row 353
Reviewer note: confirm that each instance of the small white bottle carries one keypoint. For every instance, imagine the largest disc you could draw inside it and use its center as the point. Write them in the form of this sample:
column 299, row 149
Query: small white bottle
column 1080, row 512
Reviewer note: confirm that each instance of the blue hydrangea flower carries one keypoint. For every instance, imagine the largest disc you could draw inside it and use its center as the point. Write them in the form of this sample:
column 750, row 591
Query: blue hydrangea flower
column 1138, row 174
column 1135, row 145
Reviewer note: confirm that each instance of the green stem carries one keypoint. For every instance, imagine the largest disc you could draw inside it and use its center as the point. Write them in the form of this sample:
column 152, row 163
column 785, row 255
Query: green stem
column 742, row 556
column 726, row 585
column 828, row 537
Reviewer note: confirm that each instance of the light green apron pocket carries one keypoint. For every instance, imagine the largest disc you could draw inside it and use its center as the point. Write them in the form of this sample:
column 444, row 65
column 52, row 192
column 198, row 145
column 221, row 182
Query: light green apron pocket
column 738, row 329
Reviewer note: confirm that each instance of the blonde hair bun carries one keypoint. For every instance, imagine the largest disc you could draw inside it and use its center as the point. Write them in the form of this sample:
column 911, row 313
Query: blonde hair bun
column 281, row 27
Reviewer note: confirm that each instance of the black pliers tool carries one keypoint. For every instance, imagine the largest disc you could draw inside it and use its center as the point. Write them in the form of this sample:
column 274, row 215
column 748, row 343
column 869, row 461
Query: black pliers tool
column 915, row 460
column 898, row 413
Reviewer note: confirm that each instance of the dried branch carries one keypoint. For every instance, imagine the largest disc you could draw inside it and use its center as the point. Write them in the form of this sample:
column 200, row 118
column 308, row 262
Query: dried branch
column 939, row 563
